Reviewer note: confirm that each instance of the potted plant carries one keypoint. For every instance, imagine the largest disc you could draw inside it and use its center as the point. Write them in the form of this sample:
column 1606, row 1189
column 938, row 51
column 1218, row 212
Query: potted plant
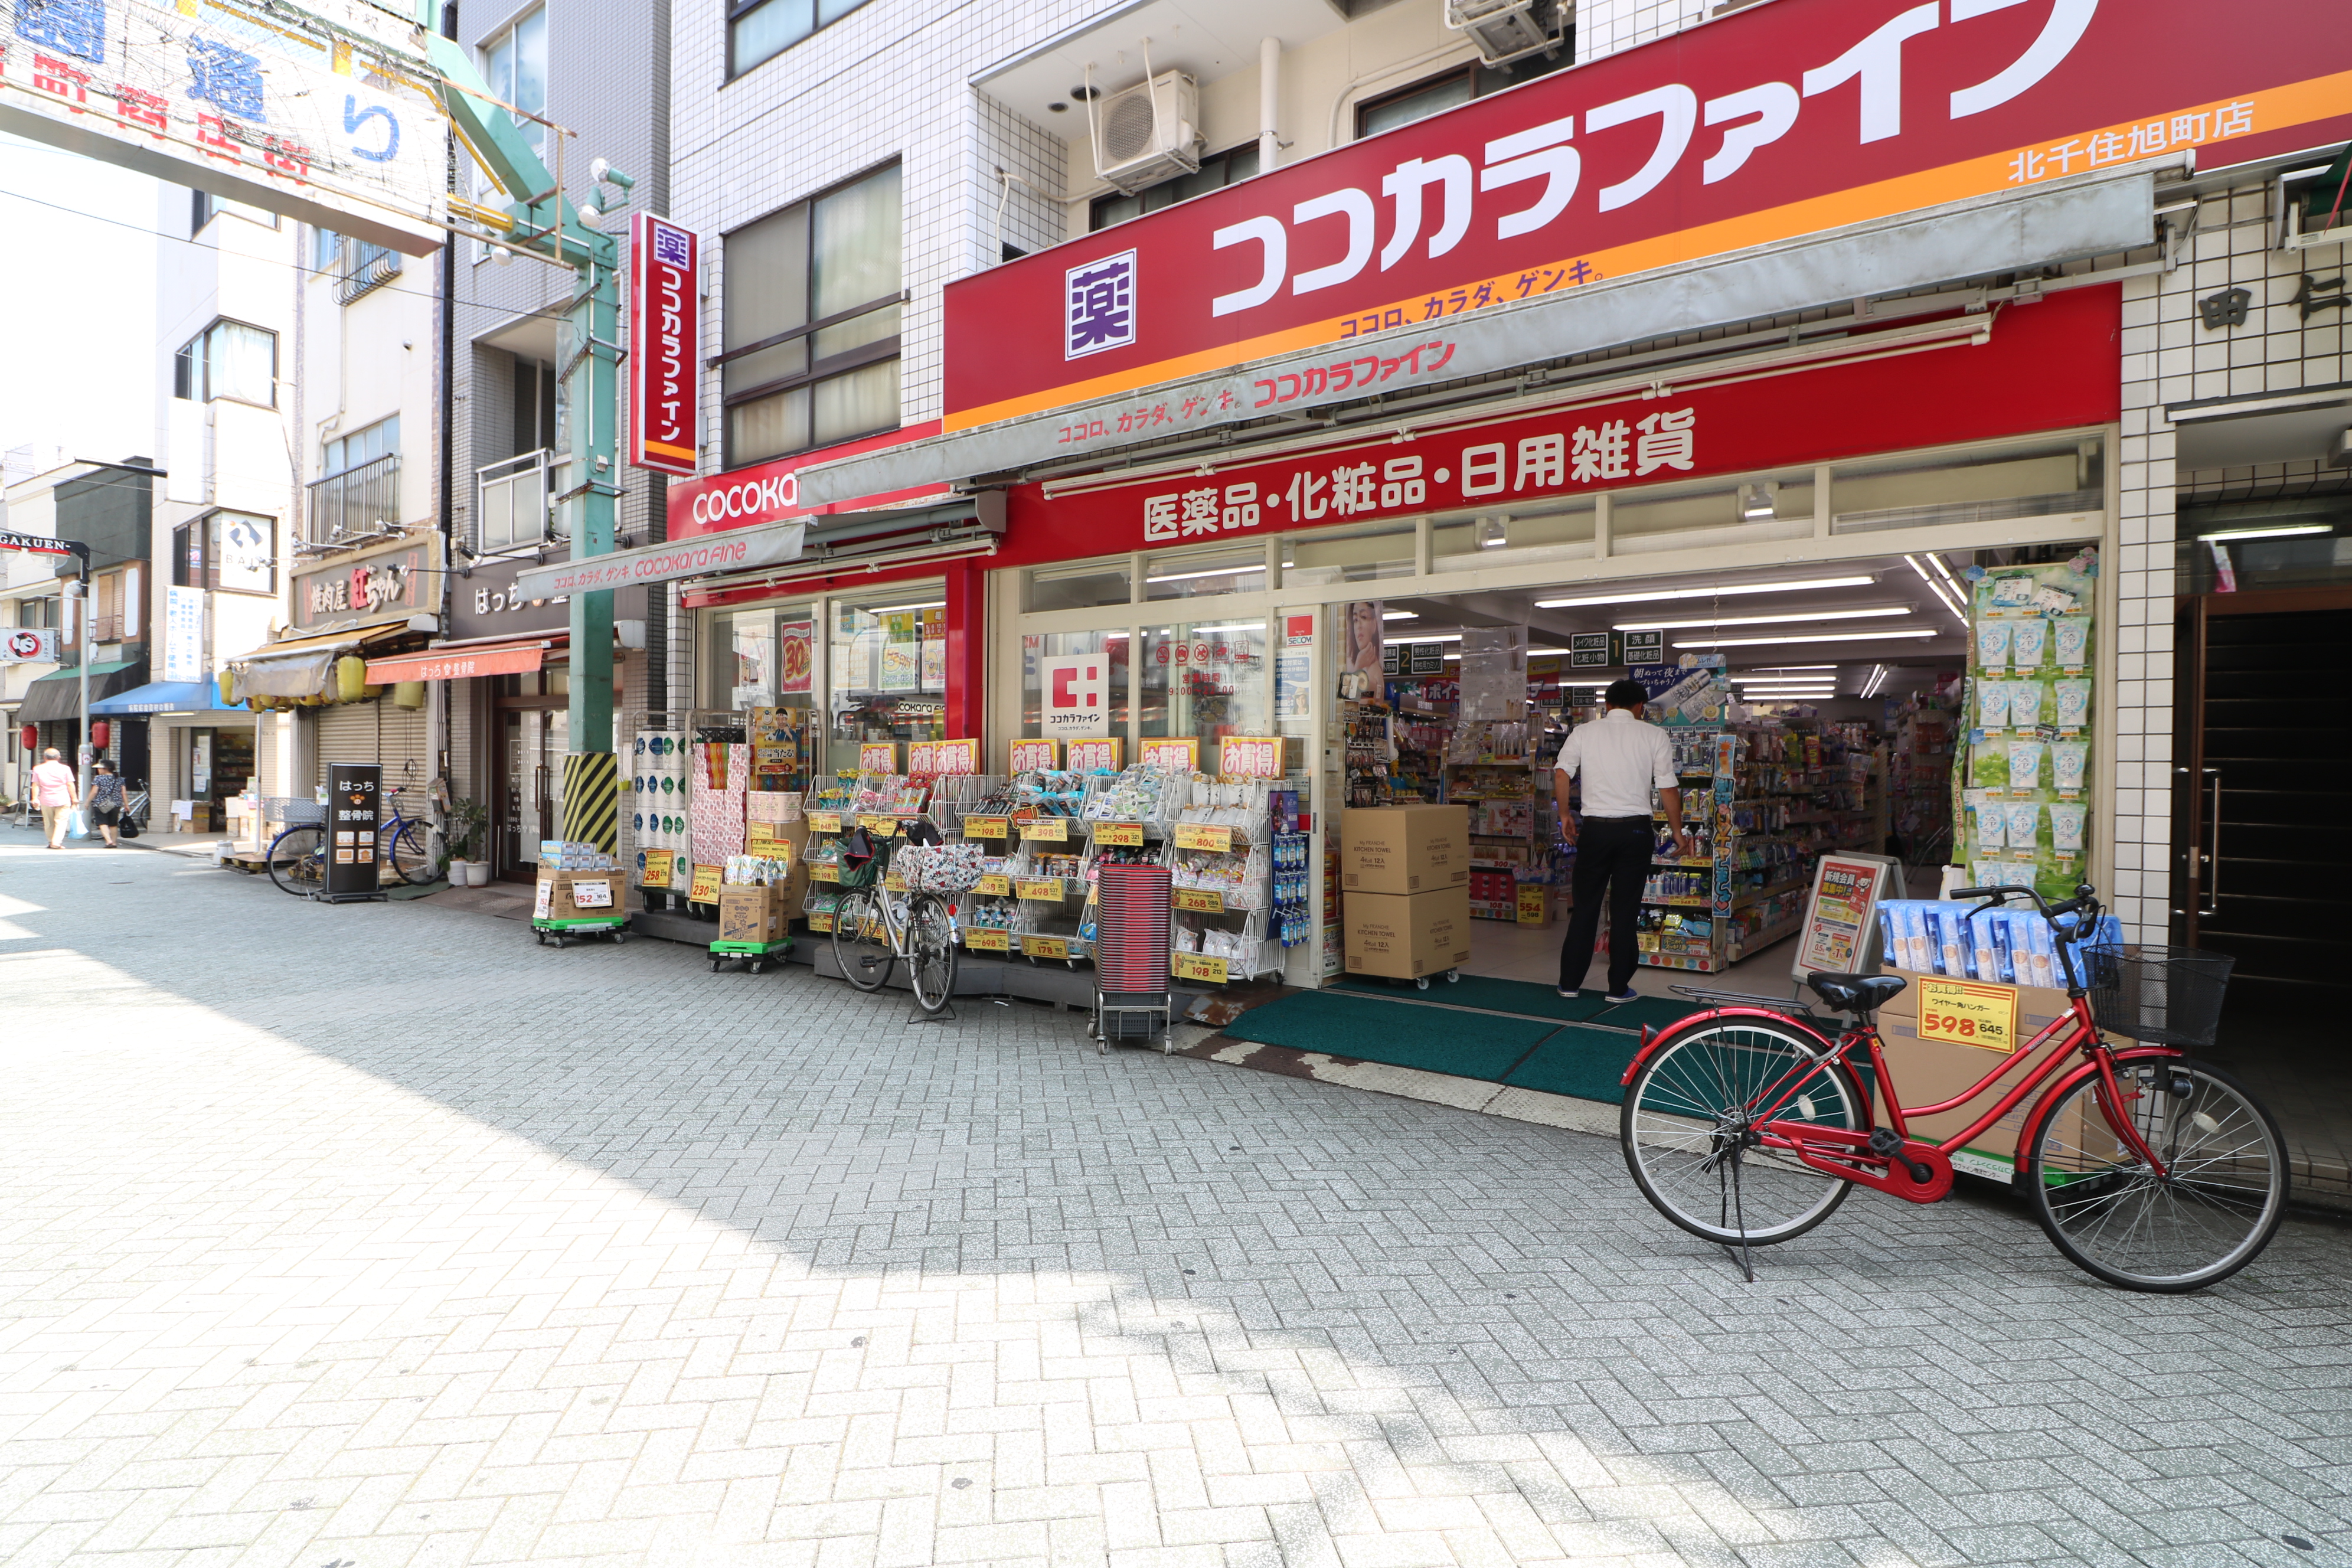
column 466, row 822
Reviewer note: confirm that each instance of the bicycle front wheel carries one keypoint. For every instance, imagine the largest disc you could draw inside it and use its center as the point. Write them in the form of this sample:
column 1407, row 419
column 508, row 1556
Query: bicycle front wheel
column 861, row 946
column 298, row 860
column 931, row 952
column 2217, row 1205
column 407, row 852
column 1689, row 1111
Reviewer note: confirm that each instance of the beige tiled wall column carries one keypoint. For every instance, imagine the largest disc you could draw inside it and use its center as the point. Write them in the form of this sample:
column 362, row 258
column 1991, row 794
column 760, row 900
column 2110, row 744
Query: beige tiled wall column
column 2141, row 700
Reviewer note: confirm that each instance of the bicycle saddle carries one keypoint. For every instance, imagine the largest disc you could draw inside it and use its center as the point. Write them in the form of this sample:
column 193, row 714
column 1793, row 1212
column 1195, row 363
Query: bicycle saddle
column 1857, row 993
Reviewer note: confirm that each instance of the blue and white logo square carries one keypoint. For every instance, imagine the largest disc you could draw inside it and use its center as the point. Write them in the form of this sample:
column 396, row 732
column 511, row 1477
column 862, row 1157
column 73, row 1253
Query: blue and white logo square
column 670, row 244
column 1100, row 299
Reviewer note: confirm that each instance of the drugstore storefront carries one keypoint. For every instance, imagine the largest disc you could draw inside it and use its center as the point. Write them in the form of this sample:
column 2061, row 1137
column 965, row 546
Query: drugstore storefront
column 1818, row 516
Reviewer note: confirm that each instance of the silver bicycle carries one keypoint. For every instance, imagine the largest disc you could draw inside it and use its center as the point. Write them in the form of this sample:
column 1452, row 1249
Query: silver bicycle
column 874, row 930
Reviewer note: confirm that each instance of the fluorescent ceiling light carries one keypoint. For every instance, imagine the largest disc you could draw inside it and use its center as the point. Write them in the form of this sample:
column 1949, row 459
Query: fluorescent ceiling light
column 1871, row 613
column 1425, row 636
column 887, row 609
column 1655, row 595
column 1541, row 652
column 1398, row 616
column 2282, row 531
column 1236, row 627
column 1814, row 637
column 1235, row 571
column 1787, row 669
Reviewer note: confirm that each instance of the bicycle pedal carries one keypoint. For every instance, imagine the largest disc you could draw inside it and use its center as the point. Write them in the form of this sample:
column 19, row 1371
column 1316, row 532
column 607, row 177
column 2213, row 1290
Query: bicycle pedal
column 1885, row 1141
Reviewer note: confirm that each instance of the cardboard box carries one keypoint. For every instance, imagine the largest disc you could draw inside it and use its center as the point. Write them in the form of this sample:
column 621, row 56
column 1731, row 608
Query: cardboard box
column 1407, row 935
column 752, row 914
column 559, row 895
column 1926, row 1070
column 1404, row 848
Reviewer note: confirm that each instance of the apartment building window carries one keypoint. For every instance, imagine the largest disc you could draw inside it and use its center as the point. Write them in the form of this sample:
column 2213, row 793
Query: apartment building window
column 1458, row 86
column 1215, row 173
column 812, row 303
column 515, row 66
column 357, row 266
column 360, row 492
column 109, row 609
column 224, row 550
column 759, row 30
column 228, row 359
column 204, row 207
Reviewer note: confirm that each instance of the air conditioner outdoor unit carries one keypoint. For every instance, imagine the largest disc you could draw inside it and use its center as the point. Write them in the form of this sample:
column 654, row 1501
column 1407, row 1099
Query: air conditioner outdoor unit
column 1147, row 133
column 1507, row 30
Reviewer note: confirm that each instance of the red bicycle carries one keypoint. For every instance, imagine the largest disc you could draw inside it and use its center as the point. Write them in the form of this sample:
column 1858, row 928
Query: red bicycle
column 1748, row 1123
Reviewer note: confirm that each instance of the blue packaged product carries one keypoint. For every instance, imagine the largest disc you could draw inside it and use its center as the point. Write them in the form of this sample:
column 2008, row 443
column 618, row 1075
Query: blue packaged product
column 1890, row 940
column 2003, row 952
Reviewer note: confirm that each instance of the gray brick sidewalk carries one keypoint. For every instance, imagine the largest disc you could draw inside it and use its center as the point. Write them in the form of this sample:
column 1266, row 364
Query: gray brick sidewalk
column 369, row 1236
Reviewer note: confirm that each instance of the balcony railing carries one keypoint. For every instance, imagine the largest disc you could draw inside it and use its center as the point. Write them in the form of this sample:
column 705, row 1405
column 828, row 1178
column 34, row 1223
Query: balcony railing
column 513, row 504
column 367, row 267
column 356, row 502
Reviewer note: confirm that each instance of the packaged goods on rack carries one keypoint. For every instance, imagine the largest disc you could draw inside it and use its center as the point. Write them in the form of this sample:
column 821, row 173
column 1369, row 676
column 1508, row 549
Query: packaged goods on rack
column 2022, row 775
column 746, row 870
column 567, row 855
column 1962, row 941
column 661, row 788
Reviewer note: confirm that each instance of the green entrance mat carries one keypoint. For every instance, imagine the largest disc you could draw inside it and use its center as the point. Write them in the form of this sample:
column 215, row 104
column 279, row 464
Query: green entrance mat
column 1489, row 995
column 1586, row 1063
column 1399, row 1034
column 1658, row 1011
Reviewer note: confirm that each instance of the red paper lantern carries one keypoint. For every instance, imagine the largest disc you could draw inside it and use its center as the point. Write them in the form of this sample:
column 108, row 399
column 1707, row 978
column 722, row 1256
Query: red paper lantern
column 30, row 734
column 98, row 732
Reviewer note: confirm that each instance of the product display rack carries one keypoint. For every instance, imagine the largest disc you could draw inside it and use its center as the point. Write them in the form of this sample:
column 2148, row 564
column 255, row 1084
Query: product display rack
column 1511, row 828
column 1777, row 798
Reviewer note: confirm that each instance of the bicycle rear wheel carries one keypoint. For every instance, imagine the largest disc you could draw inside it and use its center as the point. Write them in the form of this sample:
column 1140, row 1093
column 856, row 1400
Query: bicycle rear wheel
column 860, row 944
column 1691, row 1107
column 2213, row 1211
column 931, row 951
column 407, row 853
column 298, row 860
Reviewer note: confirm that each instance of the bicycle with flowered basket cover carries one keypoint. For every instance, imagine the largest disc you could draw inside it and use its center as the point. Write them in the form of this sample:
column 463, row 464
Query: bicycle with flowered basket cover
column 1748, row 1123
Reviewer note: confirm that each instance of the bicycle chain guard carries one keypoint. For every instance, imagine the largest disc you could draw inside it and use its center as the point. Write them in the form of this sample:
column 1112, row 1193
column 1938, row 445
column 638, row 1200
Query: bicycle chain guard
column 1865, row 1165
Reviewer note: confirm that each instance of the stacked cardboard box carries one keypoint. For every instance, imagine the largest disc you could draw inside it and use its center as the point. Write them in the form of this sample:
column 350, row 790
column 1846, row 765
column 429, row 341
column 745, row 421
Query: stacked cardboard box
column 1406, row 869
column 1926, row 1070
column 754, row 912
column 575, row 895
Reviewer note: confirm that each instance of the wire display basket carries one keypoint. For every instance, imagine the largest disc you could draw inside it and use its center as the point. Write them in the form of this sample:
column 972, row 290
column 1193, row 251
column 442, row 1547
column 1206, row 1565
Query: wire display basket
column 2162, row 996
column 292, row 810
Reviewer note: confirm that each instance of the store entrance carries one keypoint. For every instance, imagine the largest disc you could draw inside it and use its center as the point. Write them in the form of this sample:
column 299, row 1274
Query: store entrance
column 2261, row 845
column 1838, row 690
column 527, row 802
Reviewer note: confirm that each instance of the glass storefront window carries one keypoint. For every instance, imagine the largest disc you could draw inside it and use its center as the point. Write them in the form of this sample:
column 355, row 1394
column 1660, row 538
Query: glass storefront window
column 1206, row 679
column 2042, row 479
column 1185, row 574
column 1036, row 649
column 1075, row 587
column 888, row 654
column 1327, row 555
column 762, row 657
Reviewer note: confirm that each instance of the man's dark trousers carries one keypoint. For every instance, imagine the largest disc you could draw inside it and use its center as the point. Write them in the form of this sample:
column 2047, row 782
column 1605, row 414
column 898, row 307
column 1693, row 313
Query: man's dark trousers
column 1611, row 852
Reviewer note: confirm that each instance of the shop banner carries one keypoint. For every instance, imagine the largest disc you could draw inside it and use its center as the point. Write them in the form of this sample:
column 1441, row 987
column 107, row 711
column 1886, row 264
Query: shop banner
column 183, row 634
column 770, row 492
column 1030, row 756
column 2051, row 364
column 1764, row 126
column 1075, row 692
column 354, row 799
column 664, row 325
column 391, row 583
column 737, row 552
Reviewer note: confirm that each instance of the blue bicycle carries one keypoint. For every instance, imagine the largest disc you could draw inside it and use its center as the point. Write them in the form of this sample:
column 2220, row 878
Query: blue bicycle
column 297, row 856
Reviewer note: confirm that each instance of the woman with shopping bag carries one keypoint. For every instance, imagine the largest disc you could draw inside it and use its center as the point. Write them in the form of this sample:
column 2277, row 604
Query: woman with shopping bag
column 57, row 791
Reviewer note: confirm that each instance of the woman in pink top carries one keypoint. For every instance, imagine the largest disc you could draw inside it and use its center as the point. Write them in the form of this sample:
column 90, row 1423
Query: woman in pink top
column 56, row 792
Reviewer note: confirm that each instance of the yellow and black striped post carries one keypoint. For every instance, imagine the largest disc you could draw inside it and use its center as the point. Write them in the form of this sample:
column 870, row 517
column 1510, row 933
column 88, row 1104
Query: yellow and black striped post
column 591, row 796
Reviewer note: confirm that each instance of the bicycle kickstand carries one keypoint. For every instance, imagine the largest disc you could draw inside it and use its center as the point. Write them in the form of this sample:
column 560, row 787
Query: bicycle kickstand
column 1739, row 1216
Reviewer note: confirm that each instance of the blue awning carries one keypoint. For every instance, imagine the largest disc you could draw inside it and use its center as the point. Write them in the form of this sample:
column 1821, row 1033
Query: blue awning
column 165, row 697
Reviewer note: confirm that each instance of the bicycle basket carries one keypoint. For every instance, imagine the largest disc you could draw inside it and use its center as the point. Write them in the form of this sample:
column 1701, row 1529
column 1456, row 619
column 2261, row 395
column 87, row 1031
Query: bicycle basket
column 2163, row 995
column 941, row 869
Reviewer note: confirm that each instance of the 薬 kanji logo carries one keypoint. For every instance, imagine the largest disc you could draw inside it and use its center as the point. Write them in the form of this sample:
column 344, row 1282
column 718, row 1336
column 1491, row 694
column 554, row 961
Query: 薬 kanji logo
column 1098, row 306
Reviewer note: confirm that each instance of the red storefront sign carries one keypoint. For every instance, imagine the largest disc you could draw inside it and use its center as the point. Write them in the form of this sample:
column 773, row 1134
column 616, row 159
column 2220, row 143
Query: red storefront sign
column 2051, row 365
column 770, row 492
column 664, row 325
column 1774, row 122
column 457, row 664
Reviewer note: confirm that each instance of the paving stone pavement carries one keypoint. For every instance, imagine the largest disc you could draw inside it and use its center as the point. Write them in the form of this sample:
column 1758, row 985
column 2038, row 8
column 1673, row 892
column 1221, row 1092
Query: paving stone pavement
column 371, row 1236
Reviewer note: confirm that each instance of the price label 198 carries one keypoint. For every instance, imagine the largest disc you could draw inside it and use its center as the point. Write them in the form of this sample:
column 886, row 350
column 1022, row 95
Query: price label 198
column 1194, row 966
column 985, row 827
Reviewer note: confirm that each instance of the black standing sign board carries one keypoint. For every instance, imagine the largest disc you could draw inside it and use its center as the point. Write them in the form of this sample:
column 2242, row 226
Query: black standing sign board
column 354, row 801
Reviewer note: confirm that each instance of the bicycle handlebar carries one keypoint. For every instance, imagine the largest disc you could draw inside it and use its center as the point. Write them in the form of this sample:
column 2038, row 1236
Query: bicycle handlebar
column 2083, row 902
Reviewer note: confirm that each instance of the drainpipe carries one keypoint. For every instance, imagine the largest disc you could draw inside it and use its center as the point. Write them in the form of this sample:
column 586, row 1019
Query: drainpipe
column 1269, row 102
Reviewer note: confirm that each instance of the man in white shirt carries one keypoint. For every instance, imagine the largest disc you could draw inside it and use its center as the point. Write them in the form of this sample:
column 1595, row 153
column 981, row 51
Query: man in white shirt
column 1620, row 759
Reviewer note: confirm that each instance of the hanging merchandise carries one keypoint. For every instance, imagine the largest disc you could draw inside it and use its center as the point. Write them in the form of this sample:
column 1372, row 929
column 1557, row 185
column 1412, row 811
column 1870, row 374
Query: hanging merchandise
column 721, row 779
column 659, row 794
column 2022, row 780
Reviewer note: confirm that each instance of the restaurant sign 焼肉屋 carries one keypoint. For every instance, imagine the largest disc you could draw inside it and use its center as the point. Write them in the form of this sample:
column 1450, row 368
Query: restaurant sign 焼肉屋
column 388, row 584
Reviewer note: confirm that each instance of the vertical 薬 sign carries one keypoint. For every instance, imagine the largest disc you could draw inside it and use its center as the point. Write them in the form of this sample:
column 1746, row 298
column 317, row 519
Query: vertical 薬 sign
column 354, row 800
column 664, row 329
